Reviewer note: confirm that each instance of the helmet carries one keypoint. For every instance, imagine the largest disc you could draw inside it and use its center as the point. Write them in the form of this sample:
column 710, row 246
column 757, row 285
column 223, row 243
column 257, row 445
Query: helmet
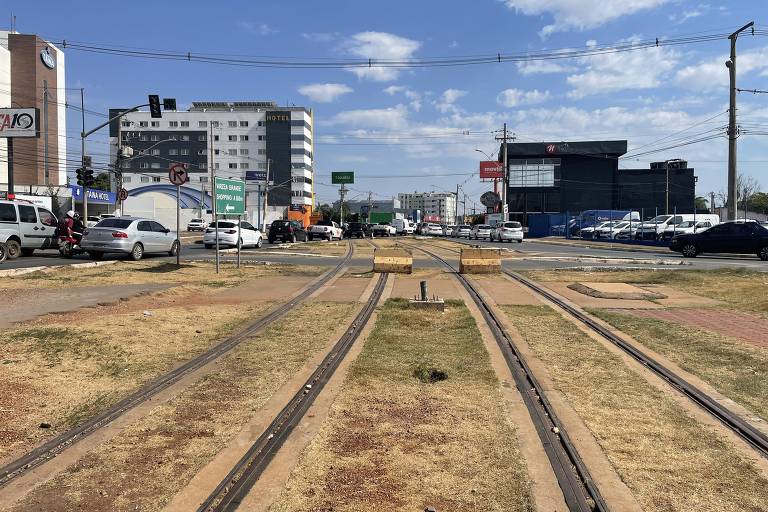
column 76, row 215
column 71, row 213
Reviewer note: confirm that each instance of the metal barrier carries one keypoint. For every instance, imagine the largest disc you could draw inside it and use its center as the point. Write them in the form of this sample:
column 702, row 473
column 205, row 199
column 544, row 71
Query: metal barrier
column 480, row 261
column 396, row 260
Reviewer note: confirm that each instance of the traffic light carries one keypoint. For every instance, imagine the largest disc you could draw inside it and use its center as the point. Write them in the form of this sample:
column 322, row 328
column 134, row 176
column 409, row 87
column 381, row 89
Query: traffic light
column 88, row 179
column 80, row 176
column 154, row 106
column 169, row 103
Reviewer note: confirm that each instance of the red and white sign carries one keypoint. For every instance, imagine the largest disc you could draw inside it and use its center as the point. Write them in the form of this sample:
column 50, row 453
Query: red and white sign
column 432, row 218
column 491, row 169
column 178, row 175
column 19, row 122
column 123, row 194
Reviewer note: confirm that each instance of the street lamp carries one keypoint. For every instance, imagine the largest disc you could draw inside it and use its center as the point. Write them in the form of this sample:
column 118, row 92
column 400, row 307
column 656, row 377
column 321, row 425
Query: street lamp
column 489, row 157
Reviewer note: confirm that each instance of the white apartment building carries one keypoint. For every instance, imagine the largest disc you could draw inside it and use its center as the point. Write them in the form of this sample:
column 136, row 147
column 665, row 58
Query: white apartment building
column 434, row 206
column 240, row 140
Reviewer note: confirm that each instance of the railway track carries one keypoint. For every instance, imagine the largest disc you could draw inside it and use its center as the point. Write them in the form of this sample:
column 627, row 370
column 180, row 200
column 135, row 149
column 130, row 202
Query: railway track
column 579, row 490
column 754, row 437
column 235, row 486
column 67, row 439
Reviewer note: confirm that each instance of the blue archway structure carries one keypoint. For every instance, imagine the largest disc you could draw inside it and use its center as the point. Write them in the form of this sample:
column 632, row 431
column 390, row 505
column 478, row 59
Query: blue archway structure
column 190, row 198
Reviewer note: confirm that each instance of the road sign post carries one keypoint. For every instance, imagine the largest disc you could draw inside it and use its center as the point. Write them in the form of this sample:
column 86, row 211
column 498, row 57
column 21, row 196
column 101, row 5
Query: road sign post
column 229, row 199
column 177, row 174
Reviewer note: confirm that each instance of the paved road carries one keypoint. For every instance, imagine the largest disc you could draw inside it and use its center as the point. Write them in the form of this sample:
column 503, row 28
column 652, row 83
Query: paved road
column 536, row 255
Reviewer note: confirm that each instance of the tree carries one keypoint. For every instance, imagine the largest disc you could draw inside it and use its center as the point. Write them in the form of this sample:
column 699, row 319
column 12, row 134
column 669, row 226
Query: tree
column 102, row 182
column 326, row 210
column 701, row 203
column 758, row 203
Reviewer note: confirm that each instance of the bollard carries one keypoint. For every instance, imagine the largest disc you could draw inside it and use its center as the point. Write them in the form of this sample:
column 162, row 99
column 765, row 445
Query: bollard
column 423, row 285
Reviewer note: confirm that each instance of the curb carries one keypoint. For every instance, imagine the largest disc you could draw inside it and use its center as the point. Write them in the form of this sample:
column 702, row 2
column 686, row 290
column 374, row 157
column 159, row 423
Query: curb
column 606, row 246
column 53, row 268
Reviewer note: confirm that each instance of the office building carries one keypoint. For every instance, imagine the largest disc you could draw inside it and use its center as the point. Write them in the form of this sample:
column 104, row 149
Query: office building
column 434, row 206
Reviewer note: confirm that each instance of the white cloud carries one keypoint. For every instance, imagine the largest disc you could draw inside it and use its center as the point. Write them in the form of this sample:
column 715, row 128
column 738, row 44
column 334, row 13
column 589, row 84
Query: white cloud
column 393, row 118
column 324, row 93
column 394, row 89
column 712, row 74
column 516, row 97
column 352, row 159
column 447, row 100
column 380, row 45
column 261, row 29
column 640, row 69
column 321, row 37
column 536, row 67
column 695, row 12
column 414, row 96
column 580, row 14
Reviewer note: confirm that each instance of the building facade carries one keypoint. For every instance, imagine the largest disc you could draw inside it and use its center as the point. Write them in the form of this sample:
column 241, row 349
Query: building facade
column 434, row 206
column 242, row 140
column 32, row 75
column 376, row 205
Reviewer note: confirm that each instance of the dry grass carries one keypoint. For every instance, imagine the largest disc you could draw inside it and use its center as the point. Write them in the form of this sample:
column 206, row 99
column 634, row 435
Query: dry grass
column 668, row 460
column 393, row 442
column 144, row 466
column 735, row 369
column 737, row 288
column 70, row 371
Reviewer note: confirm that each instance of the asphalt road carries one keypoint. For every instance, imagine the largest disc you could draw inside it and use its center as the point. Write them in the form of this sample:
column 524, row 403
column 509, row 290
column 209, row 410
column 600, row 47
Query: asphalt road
column 534, row 255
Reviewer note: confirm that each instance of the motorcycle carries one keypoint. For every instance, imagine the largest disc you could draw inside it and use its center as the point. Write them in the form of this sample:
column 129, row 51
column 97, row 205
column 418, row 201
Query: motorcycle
column 68, row 246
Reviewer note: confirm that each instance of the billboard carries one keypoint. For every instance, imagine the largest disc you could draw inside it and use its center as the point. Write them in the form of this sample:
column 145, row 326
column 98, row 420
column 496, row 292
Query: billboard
column 256, row 176
column 95, row 196
column 19, row 122
column 339, row 178
column 491, row 169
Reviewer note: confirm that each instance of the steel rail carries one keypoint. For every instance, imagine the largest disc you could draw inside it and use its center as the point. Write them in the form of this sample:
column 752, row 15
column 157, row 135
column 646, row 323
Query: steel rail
column 230, row 492
column 579, row 489
column 65, row 440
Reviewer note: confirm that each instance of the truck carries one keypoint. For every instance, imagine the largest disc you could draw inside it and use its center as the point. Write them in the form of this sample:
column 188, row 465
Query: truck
column 379, row 217
column 404, row 226
column 325, row 230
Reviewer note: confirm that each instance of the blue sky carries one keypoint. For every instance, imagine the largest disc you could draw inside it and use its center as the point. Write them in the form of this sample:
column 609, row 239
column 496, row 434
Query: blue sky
column 382, row 122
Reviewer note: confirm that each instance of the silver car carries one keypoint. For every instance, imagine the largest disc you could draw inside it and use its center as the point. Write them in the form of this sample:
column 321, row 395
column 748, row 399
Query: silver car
column 129, row 235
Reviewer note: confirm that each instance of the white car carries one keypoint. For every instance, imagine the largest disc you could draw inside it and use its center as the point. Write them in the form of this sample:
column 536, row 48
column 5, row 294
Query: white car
column 25, row 227
column 462, row 231
column 685, row 228
column 250, row 236
column 448, row 230
column 384, row 229
column 197, row 225
column 611, row 229
column 589, row 231
column 508, row 231
column 481, row 231
column 433, row 230
column 326, row 230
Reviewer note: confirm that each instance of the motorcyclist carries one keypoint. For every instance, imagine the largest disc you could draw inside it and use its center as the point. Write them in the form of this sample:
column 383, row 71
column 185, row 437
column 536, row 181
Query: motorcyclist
column 78, row 227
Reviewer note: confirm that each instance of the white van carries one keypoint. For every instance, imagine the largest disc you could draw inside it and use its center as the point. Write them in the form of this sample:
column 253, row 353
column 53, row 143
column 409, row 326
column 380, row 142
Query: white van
column 403, row 226
column 655, row 228
column 25, row 227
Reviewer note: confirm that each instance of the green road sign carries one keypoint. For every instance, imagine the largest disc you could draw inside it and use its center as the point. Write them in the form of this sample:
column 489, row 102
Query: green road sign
column 339, row 178
column 230, row 196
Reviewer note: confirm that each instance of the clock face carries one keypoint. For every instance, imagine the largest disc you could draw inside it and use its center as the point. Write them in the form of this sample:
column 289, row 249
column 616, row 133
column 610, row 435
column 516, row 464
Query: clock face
column 47, row 58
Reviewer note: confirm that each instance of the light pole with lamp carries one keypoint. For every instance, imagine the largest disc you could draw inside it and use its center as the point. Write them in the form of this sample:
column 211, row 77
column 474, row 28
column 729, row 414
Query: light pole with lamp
column 495, row 180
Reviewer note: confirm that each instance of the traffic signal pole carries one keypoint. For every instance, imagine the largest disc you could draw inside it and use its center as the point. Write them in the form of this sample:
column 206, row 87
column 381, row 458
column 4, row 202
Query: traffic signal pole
column 82, row 158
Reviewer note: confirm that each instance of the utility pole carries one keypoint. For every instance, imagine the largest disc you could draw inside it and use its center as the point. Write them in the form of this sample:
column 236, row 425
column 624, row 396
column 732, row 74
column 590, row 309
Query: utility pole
column 732, row 131
column 505, row 179
column 711, row 202
column 264, row 203
column 45, row 128
column 666, row 207
column 82, row 155
column 456, row 217
column 341, row 204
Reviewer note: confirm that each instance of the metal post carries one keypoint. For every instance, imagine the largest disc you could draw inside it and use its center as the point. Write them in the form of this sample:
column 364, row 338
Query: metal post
column 258, row 206
column 423, row 286
column 732, row 169
column 10, row 165
column 45, row 128
column 213, row 201
column 666, row 201
column 119, row 169
column 83, row 135
column 674, row 224
column 505, row 180
column 178, row 229
column 239, row 234
column 266, row 197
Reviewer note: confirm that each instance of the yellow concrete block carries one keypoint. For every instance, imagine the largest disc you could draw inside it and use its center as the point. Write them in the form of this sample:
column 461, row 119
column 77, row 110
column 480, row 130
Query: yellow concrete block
column 480, row 261
column 395, row 260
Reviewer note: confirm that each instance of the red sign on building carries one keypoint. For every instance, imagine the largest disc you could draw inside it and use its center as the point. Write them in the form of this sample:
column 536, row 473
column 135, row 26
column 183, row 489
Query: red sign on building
column 491, row 169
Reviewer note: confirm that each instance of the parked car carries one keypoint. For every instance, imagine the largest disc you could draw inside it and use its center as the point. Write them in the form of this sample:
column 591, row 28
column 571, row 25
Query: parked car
column 355, row 230
column 508, row 231
column 383, row 229
column 626, row 232
column 610, row 229
column 433, row 230
column 729, row 237
column 448, row 230
column 589, row 231
column 481, row 231
column 654, row 228
column 404, row 226
column 326, row 230
column 135, row 236
column 197, row 225
column 92, row 220
column 463, row 231
column 25, row 227
column 287, row 231
column 684, row 228
column 250, row 236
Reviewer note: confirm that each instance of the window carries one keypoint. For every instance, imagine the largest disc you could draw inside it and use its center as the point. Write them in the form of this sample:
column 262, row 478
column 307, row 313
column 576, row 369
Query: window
column 143, row 124
column 232, row 138
column 185, row 151
column 243, row 124
column 262, row 151
column 201, row 152
column 534, row 172
column 216, row 166
column 215, row 151
column 173, row 152
column 154, row 165
column 216, row 138
column 233, row 166
column 301, row 138
column 144, row 165
column 155, row 124
column 203, row 179
column 202, row 124
column 144, row 138
column 298, row 123
column 232, row 152
column 185, row 137
column 173, row 137
column 125, row 124
column 145, row 179
column 126, row 179
column 262, row 137
column 173, row 124
column 232, row 124
column 144, row 225
column 155, row 152
column 247, row 225
column 115, row 223
column 244, row 165
column 7, row 212
column 157, row 227
column 243, row 151
column 155, row 179
column 201, row 138
column 154, row 138
column 214, row 124
column 185, row 124
column 262, row 165
column 260, row 123
column 243, row 138
column 298, row 151
column 202, row 165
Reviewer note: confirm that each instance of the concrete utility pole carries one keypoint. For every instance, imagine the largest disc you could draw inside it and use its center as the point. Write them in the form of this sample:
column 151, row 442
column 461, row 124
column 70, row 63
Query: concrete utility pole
column 732, row 131
column 505, row 179
column 82, row 157
column 45, row 128
column 711, row 202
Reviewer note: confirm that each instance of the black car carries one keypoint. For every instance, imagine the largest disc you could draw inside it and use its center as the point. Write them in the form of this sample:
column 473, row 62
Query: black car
column 287, row 231
column 728, row 237
column 355, row 230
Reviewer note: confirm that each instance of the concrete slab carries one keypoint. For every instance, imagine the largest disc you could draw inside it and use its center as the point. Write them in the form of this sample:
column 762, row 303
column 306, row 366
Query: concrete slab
column 586, row 301
column 506, row 292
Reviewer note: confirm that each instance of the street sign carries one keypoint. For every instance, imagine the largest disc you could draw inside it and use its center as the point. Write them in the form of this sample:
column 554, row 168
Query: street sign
column 364, row 211
column 178, row 175
column 123, row 194
column 87, row 161
column 94, row 195
column 491, row 169
column 19, row 122
column 490, row 199
column 342, row 178
column 230, row 196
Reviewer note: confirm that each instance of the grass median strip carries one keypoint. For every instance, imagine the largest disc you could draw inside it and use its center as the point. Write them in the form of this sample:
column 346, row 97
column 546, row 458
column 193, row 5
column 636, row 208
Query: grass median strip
column 735, row 369
column 144, row 466
column 668, row 460
column 419, row 422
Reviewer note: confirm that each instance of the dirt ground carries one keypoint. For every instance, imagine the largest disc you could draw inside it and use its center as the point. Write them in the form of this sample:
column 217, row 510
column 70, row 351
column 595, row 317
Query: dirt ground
column 416, row 443
column 144, row 466
column 668, row 460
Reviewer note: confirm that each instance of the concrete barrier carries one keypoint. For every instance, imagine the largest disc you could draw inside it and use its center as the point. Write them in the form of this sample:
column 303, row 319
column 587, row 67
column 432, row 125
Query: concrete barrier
column 480, row 261
column 396, row 260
